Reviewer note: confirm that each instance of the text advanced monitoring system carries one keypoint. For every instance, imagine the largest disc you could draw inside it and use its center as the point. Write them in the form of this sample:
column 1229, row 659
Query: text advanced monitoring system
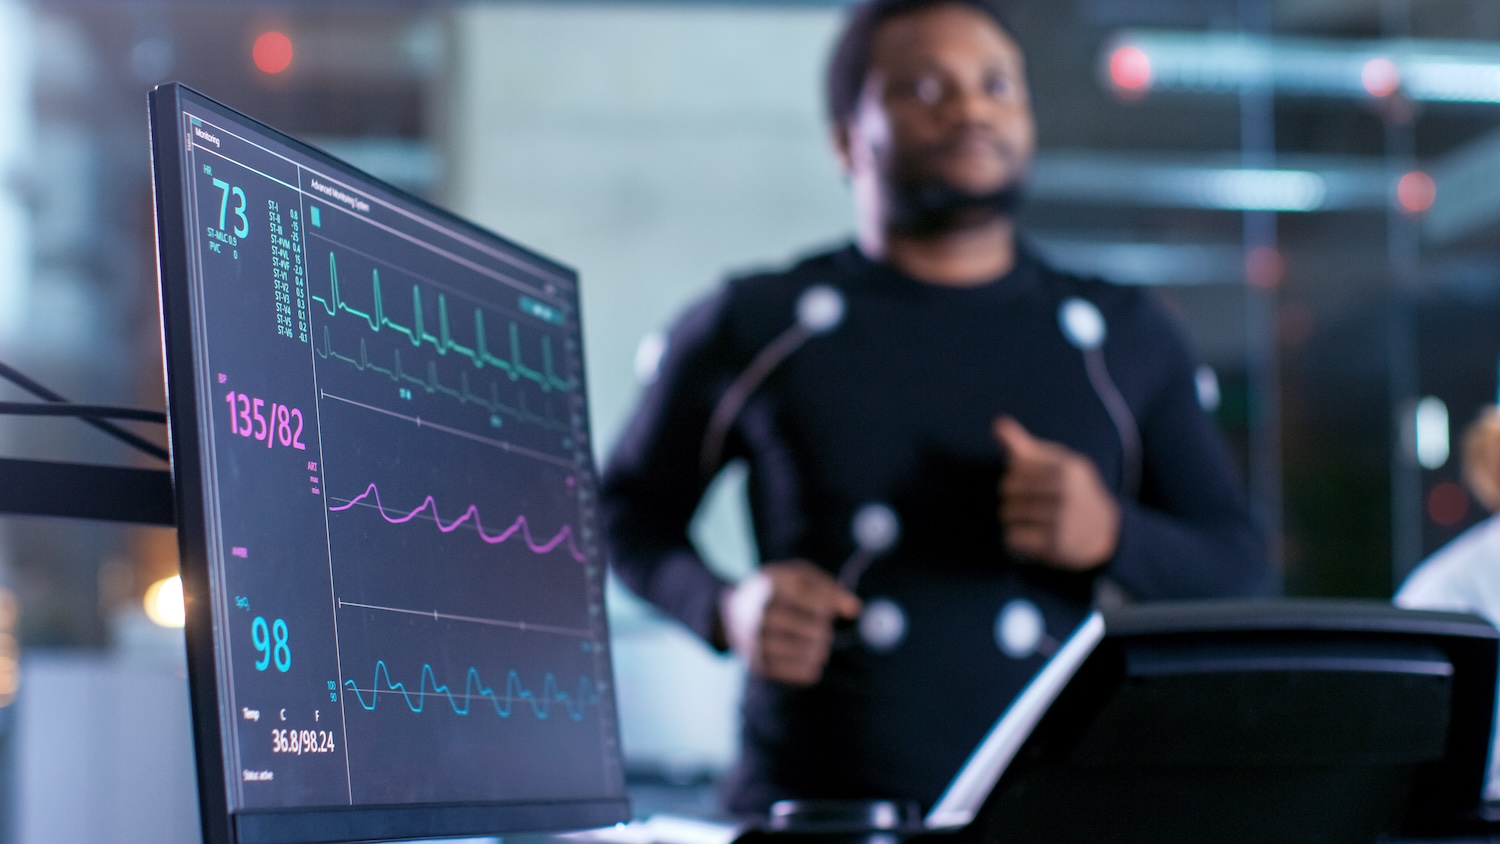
column 407, row 598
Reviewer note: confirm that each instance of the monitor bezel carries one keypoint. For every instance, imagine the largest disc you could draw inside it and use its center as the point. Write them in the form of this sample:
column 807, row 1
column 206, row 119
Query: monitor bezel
column 174, row 278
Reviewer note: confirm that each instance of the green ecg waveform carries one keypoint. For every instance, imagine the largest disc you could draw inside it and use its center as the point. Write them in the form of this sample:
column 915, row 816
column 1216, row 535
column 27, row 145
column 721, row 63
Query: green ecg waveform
column 433, row 385
column 443, row 341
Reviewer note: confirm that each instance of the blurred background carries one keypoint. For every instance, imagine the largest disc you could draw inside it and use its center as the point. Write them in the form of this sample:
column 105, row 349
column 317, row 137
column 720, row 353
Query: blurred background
column 1313, row 186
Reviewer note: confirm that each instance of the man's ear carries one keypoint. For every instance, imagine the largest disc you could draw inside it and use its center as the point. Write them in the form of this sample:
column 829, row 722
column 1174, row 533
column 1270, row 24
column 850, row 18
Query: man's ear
column 842, row 146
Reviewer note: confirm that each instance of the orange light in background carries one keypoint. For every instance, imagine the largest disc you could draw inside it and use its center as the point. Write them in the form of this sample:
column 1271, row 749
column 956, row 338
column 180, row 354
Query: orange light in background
column 272, row 52
column 1380, row 77
column 164, row 602
column 1416, row 192
column 1130, row 69
column 1447, row 504
column 10, row 669
column 10, row 649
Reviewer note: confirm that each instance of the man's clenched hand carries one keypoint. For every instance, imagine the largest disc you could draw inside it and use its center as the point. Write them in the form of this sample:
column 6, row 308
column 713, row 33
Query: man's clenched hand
column 780, row 620
column 1053, row 505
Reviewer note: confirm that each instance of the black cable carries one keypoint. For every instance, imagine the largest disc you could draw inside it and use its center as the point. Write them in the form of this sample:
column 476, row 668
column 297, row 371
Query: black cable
column 91, row 411
column 106, row 426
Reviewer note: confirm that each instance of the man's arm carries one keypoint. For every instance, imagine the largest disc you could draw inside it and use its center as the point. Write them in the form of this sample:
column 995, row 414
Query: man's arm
column 1189, row 535
column 652, row 483
column 780, row 620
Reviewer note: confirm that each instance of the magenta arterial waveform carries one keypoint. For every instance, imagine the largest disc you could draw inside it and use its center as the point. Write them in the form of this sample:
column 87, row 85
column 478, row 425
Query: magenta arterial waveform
column 519, row 527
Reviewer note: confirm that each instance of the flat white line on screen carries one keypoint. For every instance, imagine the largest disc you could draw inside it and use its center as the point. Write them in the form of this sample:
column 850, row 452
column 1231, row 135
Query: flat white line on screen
column 476, row 244
column 469, row 619
column 333, row 588
column 467, row 241
column 478, row 268
column 422, row 423
column 267, row 176
column 323, row 202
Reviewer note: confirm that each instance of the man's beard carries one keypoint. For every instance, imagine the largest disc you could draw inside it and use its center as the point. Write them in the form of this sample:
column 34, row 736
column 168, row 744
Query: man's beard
column 924, row 208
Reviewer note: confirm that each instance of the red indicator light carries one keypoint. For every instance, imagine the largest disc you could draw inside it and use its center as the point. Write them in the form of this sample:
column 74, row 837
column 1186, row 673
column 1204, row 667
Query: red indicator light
column 1380, row 77
column 1416, row 192
column 272, row 52
column 1130, row 69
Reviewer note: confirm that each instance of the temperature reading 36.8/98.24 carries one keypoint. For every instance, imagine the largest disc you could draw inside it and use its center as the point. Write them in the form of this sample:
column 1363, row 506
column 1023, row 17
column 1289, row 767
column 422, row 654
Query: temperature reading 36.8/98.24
column 268, row 423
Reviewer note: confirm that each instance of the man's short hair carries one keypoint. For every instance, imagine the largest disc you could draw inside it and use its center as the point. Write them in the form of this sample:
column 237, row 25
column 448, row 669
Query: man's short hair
column 850, row 62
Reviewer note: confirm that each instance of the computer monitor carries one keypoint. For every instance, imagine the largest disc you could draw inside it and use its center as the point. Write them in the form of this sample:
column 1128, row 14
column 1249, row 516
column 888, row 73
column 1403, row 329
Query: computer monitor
column 385, row 499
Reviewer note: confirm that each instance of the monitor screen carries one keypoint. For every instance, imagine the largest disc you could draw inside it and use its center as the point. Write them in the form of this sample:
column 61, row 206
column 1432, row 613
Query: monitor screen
column 385, row 499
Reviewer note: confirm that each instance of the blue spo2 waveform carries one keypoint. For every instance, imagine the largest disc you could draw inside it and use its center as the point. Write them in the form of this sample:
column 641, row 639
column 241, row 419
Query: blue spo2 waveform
column 407, row 586
column 540, row 706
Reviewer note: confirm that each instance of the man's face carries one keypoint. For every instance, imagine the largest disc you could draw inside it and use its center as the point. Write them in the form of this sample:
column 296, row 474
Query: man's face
column 944, row 118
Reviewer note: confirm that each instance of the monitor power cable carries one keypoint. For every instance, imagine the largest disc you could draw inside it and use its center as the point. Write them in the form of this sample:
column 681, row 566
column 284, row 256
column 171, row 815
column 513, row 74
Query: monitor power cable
column 54, row 404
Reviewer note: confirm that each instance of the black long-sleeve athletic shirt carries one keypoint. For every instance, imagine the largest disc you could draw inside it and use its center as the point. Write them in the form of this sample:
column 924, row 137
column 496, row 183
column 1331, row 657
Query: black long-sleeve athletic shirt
column 895, row 405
